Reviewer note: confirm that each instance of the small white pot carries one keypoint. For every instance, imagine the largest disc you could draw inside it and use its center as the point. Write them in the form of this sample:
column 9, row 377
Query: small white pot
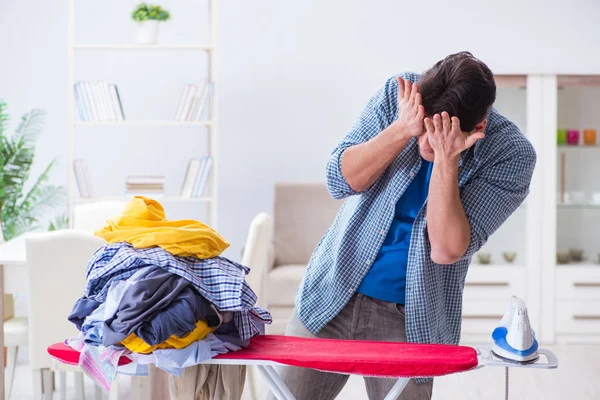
column 148, row 32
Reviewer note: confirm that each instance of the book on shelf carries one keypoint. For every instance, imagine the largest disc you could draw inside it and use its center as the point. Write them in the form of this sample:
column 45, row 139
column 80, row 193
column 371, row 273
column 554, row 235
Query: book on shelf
column 194, row 101
column 145, row 185
column 182, row 103
column 145, row 179
column 202, row 178
column 191, row 173
column 158, row 188
column 196, row 176
column 98, row 101
column 82, row 178
column 86, row 88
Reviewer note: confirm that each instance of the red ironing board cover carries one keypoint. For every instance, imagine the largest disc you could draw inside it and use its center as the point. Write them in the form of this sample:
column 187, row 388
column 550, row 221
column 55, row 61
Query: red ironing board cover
column 67, row 355
column 385, row 359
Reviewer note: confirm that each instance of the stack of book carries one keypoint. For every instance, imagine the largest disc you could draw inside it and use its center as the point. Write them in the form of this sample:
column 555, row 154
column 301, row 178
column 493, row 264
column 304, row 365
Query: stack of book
column 98, row 101
column 194, row 102
column 82, row 178
column 149, row 186
column 196, row 177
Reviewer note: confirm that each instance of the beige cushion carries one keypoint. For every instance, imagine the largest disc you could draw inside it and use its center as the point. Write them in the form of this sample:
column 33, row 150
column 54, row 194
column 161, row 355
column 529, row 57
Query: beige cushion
column 303, row 213
column 8, row 306
column 16, row 332
column 282, row 283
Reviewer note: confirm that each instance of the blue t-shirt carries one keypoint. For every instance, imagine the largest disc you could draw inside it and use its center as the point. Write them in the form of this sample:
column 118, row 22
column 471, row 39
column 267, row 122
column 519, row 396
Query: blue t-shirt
column 386, row 280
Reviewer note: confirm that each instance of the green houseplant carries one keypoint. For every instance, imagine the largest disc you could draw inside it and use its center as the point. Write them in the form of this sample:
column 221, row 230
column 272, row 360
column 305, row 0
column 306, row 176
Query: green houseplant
column 22, row 203
column 148, row 16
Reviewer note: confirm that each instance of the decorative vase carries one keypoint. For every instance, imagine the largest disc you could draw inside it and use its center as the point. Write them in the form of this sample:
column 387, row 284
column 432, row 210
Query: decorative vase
column 484, row 258
column 573, row 137
column 148, row 32
column 561, row 136
column 563, row 258
column 576, row 255
column 589, row 137
column 509, row 256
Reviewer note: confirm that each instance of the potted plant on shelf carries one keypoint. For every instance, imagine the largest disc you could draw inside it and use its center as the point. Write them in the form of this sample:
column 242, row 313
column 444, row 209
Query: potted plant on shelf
column 148, row 16
column 23, row 204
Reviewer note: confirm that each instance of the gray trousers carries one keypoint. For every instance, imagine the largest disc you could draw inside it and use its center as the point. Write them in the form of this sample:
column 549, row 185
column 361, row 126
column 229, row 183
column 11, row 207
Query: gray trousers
column 363, row 318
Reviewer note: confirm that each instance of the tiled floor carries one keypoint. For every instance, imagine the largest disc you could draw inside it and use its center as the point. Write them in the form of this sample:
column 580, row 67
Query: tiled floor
column 577, row 378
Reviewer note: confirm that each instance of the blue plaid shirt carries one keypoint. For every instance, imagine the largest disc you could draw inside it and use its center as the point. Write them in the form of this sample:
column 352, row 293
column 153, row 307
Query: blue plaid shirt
column 494, row 177
column 219, row 280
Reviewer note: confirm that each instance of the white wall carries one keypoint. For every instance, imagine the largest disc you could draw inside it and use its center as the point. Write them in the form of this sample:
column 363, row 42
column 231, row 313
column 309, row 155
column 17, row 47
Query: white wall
column 294, row 76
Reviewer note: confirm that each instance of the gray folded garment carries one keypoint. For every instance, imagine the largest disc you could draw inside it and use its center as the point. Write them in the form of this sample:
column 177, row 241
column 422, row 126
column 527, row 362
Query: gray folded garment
column 82, row 308
column 155, row 305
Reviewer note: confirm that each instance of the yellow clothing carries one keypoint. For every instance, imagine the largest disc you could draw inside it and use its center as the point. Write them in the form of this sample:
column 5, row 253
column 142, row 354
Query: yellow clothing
column 137, row 345
column 143, row 224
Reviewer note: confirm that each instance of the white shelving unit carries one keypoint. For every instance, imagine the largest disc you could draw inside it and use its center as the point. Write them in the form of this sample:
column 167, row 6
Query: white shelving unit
column 572, row 291
column 142, row 47
column 488, row 287
column 211, row 125
column 164, row 199
column 144, row 123
column 563, row 299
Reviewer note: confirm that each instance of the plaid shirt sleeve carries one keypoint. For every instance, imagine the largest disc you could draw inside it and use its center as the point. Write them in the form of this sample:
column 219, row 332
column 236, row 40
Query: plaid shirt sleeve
column 497, row 191
column 379, row 113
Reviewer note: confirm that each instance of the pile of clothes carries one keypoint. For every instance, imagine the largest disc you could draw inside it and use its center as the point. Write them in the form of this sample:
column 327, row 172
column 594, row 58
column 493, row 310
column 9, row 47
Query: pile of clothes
column 159, row 293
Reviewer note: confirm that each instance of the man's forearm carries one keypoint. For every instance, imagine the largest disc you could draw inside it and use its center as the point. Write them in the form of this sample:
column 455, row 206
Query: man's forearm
column 447, row 224
column 364, row 163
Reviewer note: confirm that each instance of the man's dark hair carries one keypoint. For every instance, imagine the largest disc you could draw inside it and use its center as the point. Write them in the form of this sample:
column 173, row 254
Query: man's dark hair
column 461, row 85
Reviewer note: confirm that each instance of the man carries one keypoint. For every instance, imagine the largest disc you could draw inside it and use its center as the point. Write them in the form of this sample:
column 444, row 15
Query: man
column 430, row 171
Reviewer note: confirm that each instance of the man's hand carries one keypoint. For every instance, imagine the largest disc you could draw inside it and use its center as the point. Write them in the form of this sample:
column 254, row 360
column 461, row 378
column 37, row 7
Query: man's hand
column 363, row 163
column 410, row 110
column 446, row 138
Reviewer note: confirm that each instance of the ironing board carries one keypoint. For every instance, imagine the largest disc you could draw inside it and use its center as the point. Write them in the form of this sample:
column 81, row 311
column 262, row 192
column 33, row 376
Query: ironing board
column 378, row 359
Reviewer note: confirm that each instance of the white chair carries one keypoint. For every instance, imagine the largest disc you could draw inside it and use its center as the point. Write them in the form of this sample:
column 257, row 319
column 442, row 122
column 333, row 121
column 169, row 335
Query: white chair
column 91, row 217
column 256, row 258
column 15, row 335
column 15, row 329
column 56, row 264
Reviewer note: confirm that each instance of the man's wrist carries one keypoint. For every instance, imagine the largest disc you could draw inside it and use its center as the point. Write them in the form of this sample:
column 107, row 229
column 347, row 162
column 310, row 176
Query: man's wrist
column 396, row 136
column 447, row 161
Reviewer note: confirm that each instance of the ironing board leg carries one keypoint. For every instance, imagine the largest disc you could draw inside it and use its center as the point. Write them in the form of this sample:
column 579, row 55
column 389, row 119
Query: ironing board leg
column 277, row 379
column 506, row 383
column 272, row 385
column 279, row 389
column 397, row 389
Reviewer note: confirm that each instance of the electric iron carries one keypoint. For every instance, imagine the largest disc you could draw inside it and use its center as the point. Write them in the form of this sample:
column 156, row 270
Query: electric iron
column 514, row 340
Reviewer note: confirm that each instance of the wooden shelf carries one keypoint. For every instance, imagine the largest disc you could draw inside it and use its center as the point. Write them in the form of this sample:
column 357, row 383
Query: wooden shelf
column 578, row 146
column 144, row 123
column 511, row 81
column 164, row 199
column 142, row 47
column 476, row 264
column 564, row 81
column 573, row 265
column 586, row 206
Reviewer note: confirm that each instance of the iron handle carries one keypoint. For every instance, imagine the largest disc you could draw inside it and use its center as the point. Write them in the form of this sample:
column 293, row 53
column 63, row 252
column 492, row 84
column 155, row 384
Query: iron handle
column 487, row 284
